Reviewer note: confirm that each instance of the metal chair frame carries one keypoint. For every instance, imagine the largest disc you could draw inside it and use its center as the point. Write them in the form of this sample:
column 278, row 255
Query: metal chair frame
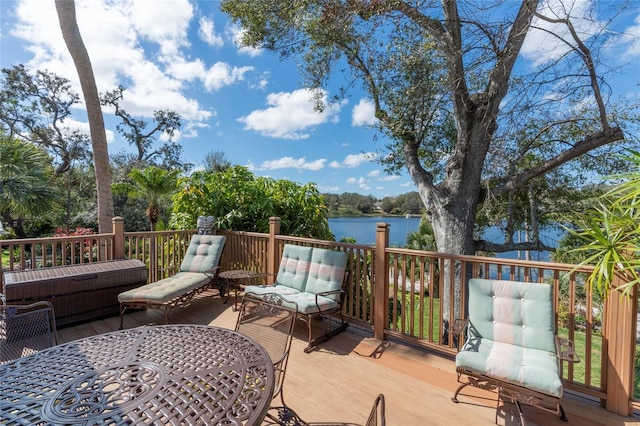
column 270, row 321
column 26, row 329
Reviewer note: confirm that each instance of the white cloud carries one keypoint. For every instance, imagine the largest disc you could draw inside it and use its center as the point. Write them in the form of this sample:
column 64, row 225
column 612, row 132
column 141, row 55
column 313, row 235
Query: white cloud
column 174, row 17
column 335, row 164
column 388, row 178
column 207, row 33
column 127, row 46
column 361, row 182
column 293, row 163
column 374, row 174
column 630, row 38
column 542, row 46
column 83, row 127
column 363, row 114
column 290, row 115
column 355, row 160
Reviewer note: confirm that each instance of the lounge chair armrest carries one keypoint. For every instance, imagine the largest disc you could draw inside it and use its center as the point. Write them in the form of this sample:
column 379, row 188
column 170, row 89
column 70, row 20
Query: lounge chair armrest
column 566, row 351
column 329, row 293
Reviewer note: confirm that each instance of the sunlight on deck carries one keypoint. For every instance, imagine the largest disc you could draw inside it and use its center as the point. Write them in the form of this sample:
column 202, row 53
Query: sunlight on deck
column 339, row 381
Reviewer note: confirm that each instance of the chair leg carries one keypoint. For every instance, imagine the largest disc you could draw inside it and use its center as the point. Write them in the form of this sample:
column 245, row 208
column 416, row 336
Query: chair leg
column 122, row 309
column 326, row 336
column 454, row 398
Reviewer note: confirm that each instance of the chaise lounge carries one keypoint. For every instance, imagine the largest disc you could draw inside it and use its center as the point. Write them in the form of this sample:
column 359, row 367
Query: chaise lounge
column 198, row 272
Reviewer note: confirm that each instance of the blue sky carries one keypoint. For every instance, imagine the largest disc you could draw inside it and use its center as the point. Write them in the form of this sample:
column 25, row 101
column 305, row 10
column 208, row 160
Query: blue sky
column 184, row 55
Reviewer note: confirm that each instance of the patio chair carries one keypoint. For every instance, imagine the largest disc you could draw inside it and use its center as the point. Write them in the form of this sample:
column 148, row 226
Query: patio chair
column 270, row 320
column 511, row 345
column 26, row 329
column 313, row 278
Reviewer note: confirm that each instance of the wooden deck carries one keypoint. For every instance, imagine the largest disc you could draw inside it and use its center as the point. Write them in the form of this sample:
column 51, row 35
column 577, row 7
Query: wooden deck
column 340, row 380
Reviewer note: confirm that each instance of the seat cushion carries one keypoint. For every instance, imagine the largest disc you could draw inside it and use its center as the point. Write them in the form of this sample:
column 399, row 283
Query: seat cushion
column 531, row 368
column 326, row 272
column 294, row 266
column 203, row 253
column 282, row 290
column 166, row 289
column 512, row 312
column 306, row 302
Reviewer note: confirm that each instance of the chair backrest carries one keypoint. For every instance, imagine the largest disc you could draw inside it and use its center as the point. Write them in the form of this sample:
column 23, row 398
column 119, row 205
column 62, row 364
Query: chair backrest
column 512, row 312
column 26, row 329
column 377, row 416
column 269, row 320
column 203, row 253
column 326, row 272
column 294, row 266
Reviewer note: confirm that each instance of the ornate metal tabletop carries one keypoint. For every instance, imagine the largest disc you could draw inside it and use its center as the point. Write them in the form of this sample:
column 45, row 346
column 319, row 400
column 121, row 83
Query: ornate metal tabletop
column 171, row 374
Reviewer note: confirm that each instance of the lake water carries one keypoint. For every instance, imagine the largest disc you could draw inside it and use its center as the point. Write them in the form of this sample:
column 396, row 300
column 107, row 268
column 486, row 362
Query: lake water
column 363, row 230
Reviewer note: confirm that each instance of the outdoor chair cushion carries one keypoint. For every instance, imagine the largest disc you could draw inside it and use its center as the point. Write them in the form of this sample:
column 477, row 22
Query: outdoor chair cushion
column 294, row 267
column 326, row 272
column 511, row 334
column 203, row 253
column 530, row 368
column 166, row 289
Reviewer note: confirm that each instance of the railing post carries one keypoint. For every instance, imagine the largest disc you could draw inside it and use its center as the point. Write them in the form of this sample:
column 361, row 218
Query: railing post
column 118, row 239
column 380, row 286
column 620, row 338
column 272, row 247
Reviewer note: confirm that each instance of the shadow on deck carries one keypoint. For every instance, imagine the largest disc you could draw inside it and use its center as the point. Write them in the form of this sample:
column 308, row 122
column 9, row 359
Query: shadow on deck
column 339, row 381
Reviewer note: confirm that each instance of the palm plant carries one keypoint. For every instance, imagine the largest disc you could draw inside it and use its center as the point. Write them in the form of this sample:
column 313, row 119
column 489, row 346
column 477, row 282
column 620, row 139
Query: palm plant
column 25, row 179
column 610, row 233
column 150, row 184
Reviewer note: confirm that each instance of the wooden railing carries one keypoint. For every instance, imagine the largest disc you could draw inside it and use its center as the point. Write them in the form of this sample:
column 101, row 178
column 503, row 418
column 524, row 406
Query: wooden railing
column 393, row 292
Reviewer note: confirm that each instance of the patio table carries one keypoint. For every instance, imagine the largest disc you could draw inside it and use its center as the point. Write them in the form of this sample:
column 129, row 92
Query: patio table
column 169, row 374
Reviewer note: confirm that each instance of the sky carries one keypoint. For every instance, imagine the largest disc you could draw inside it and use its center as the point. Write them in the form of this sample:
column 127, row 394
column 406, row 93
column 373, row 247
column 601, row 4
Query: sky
column 185, row 56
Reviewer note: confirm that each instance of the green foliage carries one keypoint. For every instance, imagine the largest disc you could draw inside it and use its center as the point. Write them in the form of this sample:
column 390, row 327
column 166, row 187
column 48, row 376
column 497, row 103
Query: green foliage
column 26, row 179
column 409, row 203
column 241, row 201
column 150, row 184
column 610, row 233
column 423, row 238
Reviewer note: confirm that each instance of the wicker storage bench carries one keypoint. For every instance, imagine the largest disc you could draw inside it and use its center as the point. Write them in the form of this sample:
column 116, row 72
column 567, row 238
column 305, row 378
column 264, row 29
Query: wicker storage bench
column 79, row 293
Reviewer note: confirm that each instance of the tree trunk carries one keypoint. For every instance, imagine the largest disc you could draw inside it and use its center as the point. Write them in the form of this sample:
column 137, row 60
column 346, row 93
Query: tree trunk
column 71, row 33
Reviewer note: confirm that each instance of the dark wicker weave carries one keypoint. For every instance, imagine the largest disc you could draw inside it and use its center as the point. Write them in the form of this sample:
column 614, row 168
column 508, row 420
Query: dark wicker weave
column 79, row 292
column 170, row 374
column 26, row 329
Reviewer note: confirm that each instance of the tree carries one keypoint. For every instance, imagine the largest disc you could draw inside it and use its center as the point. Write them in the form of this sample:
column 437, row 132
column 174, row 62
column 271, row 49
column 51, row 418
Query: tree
column 150, row 184
column 135, row 131
column 240, row 201
column 216, row 161
column 66, row 10
column 26, row 182
column 444, row 90
column 35, row 107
